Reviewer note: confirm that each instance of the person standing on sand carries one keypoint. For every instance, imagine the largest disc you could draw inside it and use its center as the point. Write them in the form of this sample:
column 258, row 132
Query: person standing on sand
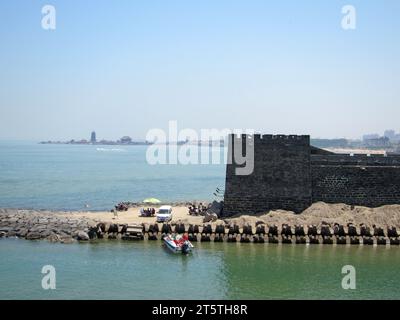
column 115, row 212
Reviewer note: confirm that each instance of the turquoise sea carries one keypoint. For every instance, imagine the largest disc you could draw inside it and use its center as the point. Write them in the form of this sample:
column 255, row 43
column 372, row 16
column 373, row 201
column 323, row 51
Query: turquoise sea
column 146, row 270
column 66, row 177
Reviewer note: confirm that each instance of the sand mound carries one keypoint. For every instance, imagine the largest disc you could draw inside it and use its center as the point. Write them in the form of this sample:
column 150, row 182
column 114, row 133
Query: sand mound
column 320, row 212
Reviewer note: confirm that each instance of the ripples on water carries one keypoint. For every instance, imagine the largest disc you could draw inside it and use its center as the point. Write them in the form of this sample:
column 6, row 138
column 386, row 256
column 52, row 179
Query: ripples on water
column 66, row 177
column 146, row 270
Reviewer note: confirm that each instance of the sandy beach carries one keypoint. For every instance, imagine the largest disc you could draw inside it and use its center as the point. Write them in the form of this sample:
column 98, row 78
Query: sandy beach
column 67, row 227
column 132, row 216
column 316, row 214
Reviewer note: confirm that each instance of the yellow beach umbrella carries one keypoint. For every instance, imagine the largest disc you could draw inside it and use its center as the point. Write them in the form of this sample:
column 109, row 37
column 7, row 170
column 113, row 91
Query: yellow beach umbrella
column 151, row 200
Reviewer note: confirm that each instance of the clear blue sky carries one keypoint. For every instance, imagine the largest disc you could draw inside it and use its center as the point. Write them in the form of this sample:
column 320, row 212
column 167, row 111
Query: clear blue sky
column 123, row 67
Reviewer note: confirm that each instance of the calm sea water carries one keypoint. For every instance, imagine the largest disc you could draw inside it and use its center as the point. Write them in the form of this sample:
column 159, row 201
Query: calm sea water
column 67, row 177
column 146, row 270
column 70, row 176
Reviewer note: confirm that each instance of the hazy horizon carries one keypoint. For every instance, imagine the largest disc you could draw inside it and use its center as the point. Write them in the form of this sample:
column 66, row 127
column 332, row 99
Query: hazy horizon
column 124, row 68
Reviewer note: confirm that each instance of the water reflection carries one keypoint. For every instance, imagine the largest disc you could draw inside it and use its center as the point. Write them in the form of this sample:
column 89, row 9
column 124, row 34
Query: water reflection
column 308, row 271
column 145, row 270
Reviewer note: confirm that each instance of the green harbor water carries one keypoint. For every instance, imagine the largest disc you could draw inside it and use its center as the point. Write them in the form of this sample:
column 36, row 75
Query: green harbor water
column 146, row 270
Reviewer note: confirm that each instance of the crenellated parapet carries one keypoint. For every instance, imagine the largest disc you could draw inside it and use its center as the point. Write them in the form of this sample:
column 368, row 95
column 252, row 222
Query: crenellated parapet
column 272, row 138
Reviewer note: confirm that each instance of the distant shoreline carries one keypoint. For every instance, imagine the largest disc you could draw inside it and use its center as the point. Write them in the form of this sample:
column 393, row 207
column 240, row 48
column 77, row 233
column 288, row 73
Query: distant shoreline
column 134, row 143
column 105, row 143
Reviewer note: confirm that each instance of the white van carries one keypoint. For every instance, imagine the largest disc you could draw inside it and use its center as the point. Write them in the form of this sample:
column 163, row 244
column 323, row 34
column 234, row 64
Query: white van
column 164, row 214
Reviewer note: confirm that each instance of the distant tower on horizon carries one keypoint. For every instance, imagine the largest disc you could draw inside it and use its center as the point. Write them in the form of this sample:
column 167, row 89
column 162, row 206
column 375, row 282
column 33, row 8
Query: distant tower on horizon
column 93, row 137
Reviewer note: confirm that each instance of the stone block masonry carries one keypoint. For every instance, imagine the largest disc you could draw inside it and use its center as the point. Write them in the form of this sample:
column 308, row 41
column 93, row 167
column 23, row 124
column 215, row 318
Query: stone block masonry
column 291, row 174
column 281, row 178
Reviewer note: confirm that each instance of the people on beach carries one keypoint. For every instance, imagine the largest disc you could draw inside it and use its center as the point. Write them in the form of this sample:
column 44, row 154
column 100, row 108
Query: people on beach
column 148, row 212
column 121, row 207
column 115, row 213
column 201, row 209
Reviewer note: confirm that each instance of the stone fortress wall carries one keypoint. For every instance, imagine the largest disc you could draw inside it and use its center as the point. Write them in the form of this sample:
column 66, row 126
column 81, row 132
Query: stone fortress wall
column 291, row 174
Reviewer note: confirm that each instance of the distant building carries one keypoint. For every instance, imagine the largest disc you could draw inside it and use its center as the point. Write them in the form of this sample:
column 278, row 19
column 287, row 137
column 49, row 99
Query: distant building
column 382, row 142
column 126, row 139
column 391, row 134
column 93, row 137
column 370, row 136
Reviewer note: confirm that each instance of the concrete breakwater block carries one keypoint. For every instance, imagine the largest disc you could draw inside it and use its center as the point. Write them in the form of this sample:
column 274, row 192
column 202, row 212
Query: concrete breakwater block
column 326, row 232
column 313, row 240
column 154, row 228
column 301, row 240
column 232, row 238
column 245, row 238
column 352, row 231
column 287, row 240
column 338, row 231
column 92, row 233
column 112, row 236
column 365, row 231
column 247, row 229
column 299, row 231
column 260, row 229
column 233, row 229
column 381, row 241
column 123, row 228
column 354, row 240
column 113, row 228
column 273, row 231
column 378, row 232
column 207, row 229
column 152, row 236
column 273, row 239
column 220, row 229
column 286, row 231
column 391, row 232
column 259, row 238
column 341, row 240
column 180, row 228
column 194, row 229
column 166, row 228
column 368, row 241
column 61, row 229
column 312, row 231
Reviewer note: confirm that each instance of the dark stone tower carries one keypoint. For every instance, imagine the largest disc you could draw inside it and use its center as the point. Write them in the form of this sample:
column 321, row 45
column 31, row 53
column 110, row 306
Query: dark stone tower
column 93, row 137
column 281, row 178
column 290, row 174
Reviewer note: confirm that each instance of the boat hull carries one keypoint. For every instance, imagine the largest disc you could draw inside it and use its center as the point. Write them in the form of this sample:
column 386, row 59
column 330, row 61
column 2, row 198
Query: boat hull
column 185, row 248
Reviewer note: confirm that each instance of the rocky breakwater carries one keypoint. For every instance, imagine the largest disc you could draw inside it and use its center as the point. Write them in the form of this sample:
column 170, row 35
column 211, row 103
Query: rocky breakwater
column 320, row 224
column 37, row 225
